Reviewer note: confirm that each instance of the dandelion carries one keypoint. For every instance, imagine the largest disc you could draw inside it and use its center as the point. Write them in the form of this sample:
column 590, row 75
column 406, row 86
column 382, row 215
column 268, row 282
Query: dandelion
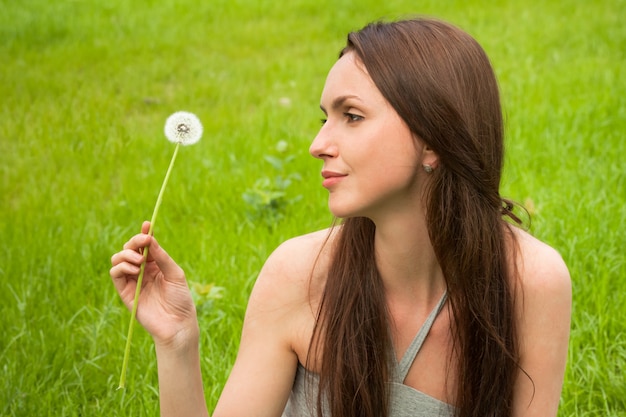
column 182, row 128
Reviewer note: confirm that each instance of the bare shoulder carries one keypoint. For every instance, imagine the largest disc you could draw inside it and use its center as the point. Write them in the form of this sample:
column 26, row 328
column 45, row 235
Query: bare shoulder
column 544, row 289
column 543, row 309
column 540, row 266
column 301, row 257
column 302, row 251
column 293, row 276
column 277, row 327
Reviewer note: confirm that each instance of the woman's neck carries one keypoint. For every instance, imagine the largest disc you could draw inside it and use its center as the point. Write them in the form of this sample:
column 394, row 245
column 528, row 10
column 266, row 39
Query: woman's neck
column 406, row 260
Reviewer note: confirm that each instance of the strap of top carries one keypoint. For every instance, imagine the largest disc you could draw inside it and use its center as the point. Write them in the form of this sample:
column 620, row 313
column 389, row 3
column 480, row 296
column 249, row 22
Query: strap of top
column 402, row 368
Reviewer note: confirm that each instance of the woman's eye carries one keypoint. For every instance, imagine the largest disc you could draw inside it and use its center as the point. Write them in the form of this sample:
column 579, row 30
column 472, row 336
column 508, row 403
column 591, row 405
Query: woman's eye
column 323, row 121
column 353, row 117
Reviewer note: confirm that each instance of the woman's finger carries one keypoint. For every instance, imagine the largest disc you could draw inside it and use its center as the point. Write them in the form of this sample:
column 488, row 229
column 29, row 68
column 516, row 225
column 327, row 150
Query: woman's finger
column 166, row 264
column 127, row 255
column 124, row 270
column 137, row 242
column 124, row 277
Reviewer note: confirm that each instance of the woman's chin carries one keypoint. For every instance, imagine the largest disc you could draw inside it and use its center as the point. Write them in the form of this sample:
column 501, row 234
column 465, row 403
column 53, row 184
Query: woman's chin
column 343, row 212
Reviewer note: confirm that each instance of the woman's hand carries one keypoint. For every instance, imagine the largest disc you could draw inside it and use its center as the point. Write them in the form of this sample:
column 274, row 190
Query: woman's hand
column 165, row 309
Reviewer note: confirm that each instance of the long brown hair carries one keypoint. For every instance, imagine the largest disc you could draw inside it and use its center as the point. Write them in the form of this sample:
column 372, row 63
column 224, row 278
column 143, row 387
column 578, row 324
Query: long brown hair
column 440, row 81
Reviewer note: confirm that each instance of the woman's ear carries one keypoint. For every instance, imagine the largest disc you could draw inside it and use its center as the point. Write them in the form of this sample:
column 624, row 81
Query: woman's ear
column 430, row 160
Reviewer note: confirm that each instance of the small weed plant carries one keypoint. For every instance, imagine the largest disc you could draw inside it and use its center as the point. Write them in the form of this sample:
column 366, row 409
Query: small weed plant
column 268, row 198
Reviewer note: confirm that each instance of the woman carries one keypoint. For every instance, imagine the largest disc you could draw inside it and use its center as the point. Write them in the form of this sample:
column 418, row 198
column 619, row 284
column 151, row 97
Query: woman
column 424, row 301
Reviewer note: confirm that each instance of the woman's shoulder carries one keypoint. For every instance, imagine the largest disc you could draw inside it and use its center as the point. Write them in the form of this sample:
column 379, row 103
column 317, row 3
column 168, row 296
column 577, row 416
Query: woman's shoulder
column 279, row 321
column 305, row 254
column 316, row 240
column 539, row 265
column 543, row 310
column 298, row 266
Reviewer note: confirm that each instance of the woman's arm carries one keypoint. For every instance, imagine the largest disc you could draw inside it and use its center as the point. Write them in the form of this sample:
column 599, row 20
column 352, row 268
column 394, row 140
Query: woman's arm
column 180, row 381
column 278, row 312
column 167, row 312
column 544, row 306
column 279, row 316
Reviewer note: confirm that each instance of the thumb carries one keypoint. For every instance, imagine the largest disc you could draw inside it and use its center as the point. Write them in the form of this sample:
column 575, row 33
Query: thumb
column 171, row 271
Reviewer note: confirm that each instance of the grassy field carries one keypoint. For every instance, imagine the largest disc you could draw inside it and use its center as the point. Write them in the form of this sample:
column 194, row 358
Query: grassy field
column 86, row 87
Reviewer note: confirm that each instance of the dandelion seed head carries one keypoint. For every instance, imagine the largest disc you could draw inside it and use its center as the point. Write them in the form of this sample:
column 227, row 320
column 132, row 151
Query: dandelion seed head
column 183, row 127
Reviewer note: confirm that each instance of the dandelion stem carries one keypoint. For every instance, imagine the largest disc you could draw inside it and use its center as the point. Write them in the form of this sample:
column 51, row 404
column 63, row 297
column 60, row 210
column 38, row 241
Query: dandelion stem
column 133, row 315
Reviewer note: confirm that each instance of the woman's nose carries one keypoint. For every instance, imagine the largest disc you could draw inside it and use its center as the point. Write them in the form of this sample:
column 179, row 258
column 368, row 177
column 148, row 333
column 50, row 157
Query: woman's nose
column 322, row 146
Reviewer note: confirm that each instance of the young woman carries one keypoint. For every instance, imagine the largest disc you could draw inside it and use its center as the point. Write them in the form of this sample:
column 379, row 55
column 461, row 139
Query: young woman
column 424, row 301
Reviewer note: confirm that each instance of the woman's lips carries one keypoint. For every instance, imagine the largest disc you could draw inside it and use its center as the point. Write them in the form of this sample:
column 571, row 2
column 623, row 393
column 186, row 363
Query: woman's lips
column 331, row 178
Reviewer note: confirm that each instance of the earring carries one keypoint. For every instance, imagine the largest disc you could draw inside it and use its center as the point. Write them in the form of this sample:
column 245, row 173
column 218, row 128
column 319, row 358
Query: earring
column 427, row 168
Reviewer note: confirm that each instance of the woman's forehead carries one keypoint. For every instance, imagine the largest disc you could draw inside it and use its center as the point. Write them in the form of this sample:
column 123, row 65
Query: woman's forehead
column 348, row 77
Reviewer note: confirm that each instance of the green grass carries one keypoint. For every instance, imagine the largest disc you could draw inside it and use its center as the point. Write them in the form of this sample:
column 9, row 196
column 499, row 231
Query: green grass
column 85, row 90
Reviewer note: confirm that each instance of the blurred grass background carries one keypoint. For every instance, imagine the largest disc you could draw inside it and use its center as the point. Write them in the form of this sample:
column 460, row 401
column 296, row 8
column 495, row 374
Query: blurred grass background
column 86, row 86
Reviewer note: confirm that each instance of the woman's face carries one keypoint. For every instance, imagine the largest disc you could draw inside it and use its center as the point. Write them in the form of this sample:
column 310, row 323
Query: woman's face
column 372, row 161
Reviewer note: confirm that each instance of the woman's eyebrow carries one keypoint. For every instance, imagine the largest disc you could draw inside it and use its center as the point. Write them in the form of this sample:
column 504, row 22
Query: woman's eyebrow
column 338, row 102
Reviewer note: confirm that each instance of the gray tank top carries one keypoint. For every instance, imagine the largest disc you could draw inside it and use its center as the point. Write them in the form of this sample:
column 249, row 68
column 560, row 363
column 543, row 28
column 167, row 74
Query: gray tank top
column 404, row 400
